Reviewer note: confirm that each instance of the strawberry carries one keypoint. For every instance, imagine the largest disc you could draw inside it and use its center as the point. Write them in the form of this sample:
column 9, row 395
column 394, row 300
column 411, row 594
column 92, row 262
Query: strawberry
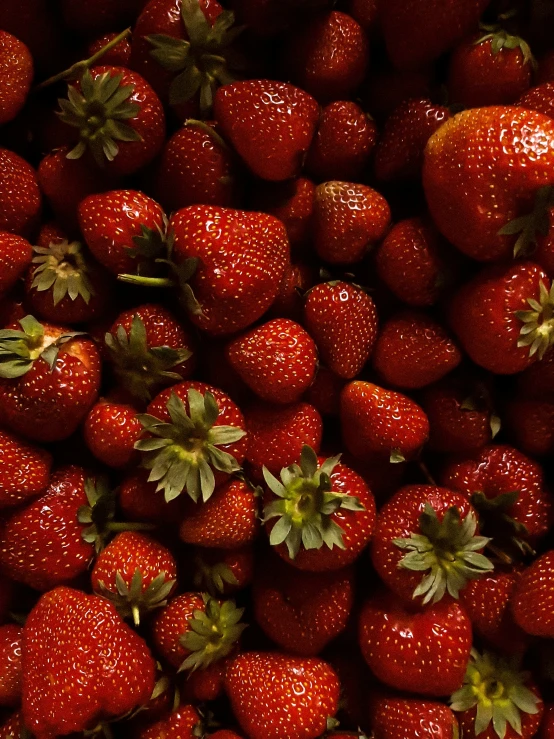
column 502, row 316
column 13, row 726
column 125, row 130
column 186, row 426
column 348, row 219
column 277, row 360
column 124, row 229
column 393, row 716
column 140, row 501
column 111, row 431
column 24, row 469
column 547, row 725
column 222, row 572
column 537, row 380
column 16, row 72
column 193, row 631
column 431, row 530
column 225, row 521
column 149, row 349
column 417, row 34
column 343, row 143
column 181, row 723
column 302, row 612
column 270, row 124
column 399, row 152
column 328, row 57
column 276, row 435
column 375, row 421
column 325, row 513
column 10, row 665
column 532, row 595
column 118, row 55
column 420, row 651
column 304, row 694
column 298, row 278
column 342, row 320
column 81, row 663
column 490, row 68
column 15, row 257
column 136, row 573
column 20, row 198
column 531, row 423
column 496, row 700
column 291, row 202
column 476, row 213
column 49, row 378
column 539, row 98
column 324, row 393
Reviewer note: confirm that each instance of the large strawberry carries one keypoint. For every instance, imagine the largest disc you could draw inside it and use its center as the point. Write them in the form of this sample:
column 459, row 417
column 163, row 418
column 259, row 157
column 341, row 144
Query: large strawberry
column 111, row 431
column 81, row 664
column 392, row 717
column 304, row 694
column 24, row 469
column 49, row 378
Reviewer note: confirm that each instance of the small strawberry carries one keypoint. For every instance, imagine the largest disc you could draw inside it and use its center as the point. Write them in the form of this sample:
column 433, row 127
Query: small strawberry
column 419, row 651
column 277, row 360
column 16, row 72
column 24, row 469
column 15, row 257
column 118, row 55
column 342, row 320
column 81, row 664
column 304, row 694
column 375, row 421
column 539, row 98
column 181, row 723
column 49, row 378
column 292, row 202
column 270, row 124
column 111, row 431
column 10, row 665
column 532, row 596
column 348, row 219
column 392, row 716
column 20, row 197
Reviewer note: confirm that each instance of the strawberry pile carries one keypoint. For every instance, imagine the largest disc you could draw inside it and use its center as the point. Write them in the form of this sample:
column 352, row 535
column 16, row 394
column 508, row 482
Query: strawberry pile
column 276, row 369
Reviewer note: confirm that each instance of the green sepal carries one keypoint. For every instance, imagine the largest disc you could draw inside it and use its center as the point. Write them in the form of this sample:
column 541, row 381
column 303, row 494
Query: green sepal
column 501, row 39
column 509, row 536
column 537, row 331
column 152, row 246
column 531, row 226
column 62, row 268
column 99, row 511
column 213, row 578
column 133, row 601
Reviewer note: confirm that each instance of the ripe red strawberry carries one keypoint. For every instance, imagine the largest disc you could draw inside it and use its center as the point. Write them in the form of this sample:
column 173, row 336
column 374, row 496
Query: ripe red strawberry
column 417, row 34
column 15, row 257
column 181, row 723
column 16, row 72
column 227, row 520
column 539, row 98
column 81, row 664
column 117, row 56
column 425, row 544
column 502, row 316
column 532, row 597
column 537, row 381
column 531, row 424
column 10, row 665
column 49, row 378
column 496, row 700
column 118, row 116
column 111, row 431
column 490, row 68
column 149, row 349
column 270, row 124
column 399, row 152
column 276, row 435
column 324, row 511
column 302, row 612
column 194, row 631
column 547, row 725
column 413, row 350
column 343, row 142
column 419, row 651
column 24, row 469
column 304, row 694
column 196, row 166
column 328, row 57
column 141, row 501
column 348, row 219
column 342, row 320
column 124, row 229
column 292, row 202
column 186, row 425
column 391, row 717
column 507, row 156
column 277, row 360
column 20, row 198
column 375, row 421
column 136, row 573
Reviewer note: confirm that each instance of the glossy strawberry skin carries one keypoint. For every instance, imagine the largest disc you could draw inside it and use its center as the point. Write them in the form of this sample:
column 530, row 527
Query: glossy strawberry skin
column 179, row 724
column 20, row 197
column 539, row 98
column 111, row 431
column 532, row 597
column 68, row 682
column 267, row 714
column 425, row 652
column 392, row 716
column 270, row 124
column 16, row 71
column 24, row 469
column 10, row 665
column 118, row 56
column 16, row 254
column 172, row 621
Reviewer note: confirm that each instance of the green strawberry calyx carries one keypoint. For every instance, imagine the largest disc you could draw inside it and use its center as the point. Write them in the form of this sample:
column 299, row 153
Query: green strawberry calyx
column 132, row 600
column 19, row 349
column 305, row 505
column 537, row 331
column 500, row 39
column 181, row 455
column 498, row 692
column 202, row 62
column 532, row 225
column 141, row 368
column 212, row 633
column 62, row 267
column 99, row 110
column 509, row 537
column 447, row 550
column 150, row 247
column 214, row 578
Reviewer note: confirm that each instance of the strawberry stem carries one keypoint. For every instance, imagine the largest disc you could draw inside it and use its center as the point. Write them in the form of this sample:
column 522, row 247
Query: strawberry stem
column 212, row 133
column 147, row 281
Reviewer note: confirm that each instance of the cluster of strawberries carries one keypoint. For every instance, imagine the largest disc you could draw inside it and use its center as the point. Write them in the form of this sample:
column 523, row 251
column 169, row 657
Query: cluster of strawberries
column 276, row 369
